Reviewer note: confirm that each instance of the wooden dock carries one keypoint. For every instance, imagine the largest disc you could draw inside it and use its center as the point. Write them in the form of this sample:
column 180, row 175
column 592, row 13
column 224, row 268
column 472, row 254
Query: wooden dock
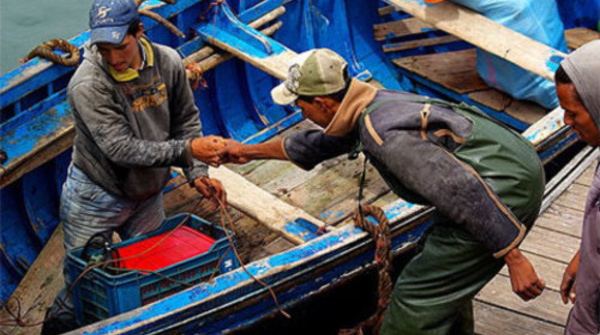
column 550, row 246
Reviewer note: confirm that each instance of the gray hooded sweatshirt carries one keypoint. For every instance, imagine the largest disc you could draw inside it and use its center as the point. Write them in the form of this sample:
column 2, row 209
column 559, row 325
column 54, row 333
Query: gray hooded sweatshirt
column 132, row 126
column 583, row 67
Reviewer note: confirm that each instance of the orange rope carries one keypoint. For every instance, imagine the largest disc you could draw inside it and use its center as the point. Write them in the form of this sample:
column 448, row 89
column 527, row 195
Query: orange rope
column 46, row 50
column 383, row 259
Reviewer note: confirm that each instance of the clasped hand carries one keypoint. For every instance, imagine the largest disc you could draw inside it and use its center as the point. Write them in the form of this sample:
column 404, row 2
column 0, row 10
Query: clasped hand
column 215, row 150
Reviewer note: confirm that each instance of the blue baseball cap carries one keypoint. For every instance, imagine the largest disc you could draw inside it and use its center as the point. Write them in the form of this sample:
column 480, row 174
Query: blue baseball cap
column 110, row 19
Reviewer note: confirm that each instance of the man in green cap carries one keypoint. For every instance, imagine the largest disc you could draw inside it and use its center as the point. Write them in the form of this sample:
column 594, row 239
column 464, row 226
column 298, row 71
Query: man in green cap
column 485, row 180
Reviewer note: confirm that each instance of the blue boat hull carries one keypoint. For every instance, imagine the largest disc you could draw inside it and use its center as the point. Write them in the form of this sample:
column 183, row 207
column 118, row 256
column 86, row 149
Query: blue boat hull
column 236, row 104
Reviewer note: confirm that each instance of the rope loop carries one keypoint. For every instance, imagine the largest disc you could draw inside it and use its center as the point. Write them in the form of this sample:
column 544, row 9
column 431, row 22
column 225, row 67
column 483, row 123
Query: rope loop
column 196, row 76
column 383, row 259
column 46, row 50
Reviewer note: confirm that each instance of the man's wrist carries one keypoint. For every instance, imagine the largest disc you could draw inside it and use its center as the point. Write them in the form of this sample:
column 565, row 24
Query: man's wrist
column 513, row 256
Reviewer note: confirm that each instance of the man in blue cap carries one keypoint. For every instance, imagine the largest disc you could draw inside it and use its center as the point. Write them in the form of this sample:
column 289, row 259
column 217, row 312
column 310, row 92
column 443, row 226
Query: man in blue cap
column 135, row 117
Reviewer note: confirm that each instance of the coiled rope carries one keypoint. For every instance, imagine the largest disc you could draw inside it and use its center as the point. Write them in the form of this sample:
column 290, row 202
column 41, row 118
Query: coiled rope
column 46, row 50
column 383, row 259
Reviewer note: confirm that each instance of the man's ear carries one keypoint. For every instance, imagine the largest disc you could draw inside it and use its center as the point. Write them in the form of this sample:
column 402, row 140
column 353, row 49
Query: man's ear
column 140, row 31
column 327, row 104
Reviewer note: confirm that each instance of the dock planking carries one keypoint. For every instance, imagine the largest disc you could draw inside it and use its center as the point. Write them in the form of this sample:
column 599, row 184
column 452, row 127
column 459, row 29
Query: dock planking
column 550, row 245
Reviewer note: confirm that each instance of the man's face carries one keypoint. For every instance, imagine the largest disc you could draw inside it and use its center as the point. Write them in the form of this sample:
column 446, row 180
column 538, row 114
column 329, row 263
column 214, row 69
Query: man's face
column 316, row 111
column 576, row 115
column 122, row 56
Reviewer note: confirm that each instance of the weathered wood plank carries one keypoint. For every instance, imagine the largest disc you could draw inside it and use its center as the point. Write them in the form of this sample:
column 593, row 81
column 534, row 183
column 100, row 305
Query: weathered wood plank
column 407, row 27
column 386, row 10
column 491, row 98
column 374, row 188
column 423, row 42
column 261, row 205
column 526, row 111
column 547, row 307
column 551, row 244
column 574, row 197
column 577, row 37
column 494, row 320
column 587, row 176
column 489, row 35
column 456, row 71
column 38, row 288
column 561, row 219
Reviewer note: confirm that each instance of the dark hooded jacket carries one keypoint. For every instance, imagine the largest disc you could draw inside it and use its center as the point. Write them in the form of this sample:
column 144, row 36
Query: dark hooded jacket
column 583, row 67
column 132, row 126
column 430, row 154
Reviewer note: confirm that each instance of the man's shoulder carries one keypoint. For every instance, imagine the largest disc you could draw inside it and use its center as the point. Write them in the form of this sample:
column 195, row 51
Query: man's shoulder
column 167, row 53
column 87, row 75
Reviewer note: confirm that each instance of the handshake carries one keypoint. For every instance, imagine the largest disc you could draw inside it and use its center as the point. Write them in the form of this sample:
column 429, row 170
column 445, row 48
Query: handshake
column 215, row 150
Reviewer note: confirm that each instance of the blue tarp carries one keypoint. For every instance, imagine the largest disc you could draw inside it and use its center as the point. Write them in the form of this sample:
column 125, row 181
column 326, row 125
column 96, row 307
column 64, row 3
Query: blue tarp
column 537, row 19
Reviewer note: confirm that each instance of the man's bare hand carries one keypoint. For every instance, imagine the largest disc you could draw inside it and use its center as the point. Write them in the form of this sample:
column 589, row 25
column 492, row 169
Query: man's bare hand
column 523, row 278
column 234, row 152
column 567, row 286
column 211, row 189
column 206, row 148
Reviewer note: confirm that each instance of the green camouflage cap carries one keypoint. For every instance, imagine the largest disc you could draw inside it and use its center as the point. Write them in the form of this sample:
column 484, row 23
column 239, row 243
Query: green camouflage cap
column 316, row 72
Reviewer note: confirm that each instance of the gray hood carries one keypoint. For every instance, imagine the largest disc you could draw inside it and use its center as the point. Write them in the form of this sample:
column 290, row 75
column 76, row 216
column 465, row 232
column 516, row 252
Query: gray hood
column 583, row 67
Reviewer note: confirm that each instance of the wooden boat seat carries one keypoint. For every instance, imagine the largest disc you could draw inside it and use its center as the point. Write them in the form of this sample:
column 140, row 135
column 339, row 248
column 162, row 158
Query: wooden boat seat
column 456, row 71
column 577, row 37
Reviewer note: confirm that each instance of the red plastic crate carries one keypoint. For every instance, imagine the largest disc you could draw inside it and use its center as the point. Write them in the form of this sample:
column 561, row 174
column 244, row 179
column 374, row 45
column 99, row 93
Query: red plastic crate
column 184, row 243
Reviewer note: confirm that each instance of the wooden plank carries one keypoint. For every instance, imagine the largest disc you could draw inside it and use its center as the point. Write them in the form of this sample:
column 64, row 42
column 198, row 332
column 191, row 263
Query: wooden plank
column 386, row 10
column 574, row 198
column 261, row 205
column 456, row 71
column 547, row 307
column 494, row 320
column 374, row 188
column 341, row 177
column 401, row 28
column 488, row 35
column 526, row 111
column 577, row 37
column 424, row 42
column 491, row 98
column 551, row 244
column 38, row 288
column 561, row 219
column 587, row 176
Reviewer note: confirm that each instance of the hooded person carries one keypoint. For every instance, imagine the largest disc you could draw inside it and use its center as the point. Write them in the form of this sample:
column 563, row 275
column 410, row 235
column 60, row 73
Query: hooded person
column 578, row 89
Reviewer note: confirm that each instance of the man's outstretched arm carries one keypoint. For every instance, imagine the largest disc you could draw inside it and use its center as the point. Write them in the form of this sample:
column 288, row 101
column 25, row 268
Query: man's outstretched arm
column 239, row 153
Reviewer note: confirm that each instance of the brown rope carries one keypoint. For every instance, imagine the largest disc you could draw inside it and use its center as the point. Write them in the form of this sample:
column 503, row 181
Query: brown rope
column 383, row 259
column 46, row 50
column 162, row 21
column 196, row 76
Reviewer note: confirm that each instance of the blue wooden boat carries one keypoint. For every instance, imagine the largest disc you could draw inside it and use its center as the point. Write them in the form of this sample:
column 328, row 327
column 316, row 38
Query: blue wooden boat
column 37, row 132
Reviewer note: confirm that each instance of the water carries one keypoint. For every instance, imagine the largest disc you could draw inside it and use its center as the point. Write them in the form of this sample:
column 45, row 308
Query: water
column 26, row 23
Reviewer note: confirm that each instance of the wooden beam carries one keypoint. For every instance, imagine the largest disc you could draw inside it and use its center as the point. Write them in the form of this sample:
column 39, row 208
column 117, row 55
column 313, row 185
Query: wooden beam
column 38, row 288
column 424, row 42
column 401, row 28
column 486, row 34
column 259, row 204
column 577, row 37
